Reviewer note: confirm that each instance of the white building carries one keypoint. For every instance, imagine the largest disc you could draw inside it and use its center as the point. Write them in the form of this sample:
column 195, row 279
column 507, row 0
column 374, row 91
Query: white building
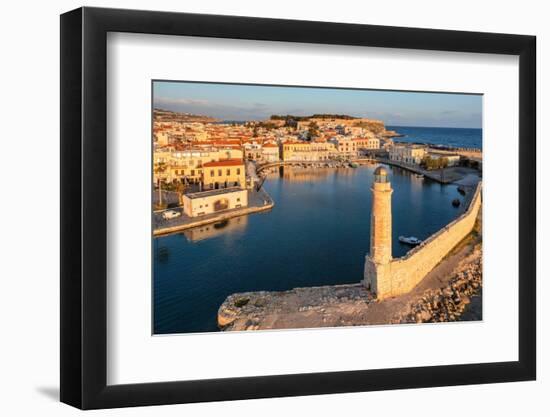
column 213, row 201
column 270, row 152
column 408, row 154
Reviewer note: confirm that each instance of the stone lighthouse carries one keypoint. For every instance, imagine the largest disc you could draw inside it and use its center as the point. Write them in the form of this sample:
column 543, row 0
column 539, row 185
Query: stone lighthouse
column 378, row 260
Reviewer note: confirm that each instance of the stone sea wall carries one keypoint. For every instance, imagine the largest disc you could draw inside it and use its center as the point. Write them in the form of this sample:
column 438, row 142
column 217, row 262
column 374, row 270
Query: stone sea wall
column 401, row 275
column 449, row 302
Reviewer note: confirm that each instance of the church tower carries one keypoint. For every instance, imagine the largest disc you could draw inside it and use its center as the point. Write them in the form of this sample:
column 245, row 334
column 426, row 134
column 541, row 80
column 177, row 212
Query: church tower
column 377, row 262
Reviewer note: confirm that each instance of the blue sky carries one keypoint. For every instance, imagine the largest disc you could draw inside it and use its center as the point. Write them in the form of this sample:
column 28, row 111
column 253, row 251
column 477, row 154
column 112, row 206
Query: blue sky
column 254, row 102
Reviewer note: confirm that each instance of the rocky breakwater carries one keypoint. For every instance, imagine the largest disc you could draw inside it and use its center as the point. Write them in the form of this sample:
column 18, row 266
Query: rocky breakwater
column 450, row 293
column 448, row 303
column 327, row 306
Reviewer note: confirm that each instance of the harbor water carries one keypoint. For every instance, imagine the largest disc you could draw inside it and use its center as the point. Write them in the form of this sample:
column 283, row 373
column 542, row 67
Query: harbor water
column 318, row 233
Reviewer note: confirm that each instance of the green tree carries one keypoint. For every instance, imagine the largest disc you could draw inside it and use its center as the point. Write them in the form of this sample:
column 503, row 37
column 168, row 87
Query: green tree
column 427, row 162
column 313, row 130
column 430, row 163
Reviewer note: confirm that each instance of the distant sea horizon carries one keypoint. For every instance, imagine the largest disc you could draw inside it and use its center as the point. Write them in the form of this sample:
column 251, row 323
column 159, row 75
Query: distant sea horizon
column 460, row 137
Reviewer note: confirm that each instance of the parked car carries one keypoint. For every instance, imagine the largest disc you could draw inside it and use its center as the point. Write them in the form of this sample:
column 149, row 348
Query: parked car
column 170, row 214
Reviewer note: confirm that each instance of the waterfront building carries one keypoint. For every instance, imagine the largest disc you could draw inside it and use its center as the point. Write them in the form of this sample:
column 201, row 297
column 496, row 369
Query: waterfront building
column 185, row 165
column 345, row 146
column 270, row 152
column 367, row 143
column 213, row 201
column 308, row 151
column 352, row 147
column 224, row 173
column 407, row 153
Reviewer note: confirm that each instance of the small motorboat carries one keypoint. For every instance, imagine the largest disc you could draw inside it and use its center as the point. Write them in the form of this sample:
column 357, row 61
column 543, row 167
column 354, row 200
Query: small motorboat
column 419, row 176
column 411, row 240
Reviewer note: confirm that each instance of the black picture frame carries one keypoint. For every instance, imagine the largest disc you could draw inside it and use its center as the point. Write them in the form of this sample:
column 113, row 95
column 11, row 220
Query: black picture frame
column 84, row 207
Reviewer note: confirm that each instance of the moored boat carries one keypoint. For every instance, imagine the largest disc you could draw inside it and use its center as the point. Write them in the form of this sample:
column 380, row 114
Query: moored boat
column 410, row 240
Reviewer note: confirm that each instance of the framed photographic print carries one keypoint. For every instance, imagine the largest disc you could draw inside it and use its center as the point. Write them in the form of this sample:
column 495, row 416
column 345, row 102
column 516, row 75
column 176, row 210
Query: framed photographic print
column 257, row 208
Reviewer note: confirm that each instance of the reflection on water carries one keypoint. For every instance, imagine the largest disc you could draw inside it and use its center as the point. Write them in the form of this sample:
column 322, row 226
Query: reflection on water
column 306, row 174
column 162, row 254
column 302, row 174
column 317, row 234
column 213, row 230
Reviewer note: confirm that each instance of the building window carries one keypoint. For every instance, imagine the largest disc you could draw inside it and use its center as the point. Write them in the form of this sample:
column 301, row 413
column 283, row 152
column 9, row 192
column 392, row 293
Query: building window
column 238, row 199
column 228, row 172
column 219, row 172
column 238, row 171
column 211, row 172
column 192, row 172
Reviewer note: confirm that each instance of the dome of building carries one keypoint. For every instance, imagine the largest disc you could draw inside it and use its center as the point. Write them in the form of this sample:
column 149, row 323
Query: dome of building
column 381, row 171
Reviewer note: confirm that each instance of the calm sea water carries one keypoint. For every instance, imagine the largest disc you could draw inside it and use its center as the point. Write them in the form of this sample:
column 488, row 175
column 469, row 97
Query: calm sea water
column 317, row 234
column 462, row 138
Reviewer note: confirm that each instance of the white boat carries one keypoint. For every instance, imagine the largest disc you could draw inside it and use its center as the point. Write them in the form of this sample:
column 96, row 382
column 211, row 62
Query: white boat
column 411, row 240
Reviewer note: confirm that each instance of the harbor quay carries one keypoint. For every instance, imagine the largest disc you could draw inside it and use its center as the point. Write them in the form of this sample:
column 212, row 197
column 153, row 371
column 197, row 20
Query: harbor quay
column 257, row 201
column 447, row 175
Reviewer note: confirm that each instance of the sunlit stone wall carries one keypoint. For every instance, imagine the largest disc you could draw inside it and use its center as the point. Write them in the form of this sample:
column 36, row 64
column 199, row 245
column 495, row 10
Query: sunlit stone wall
column 399, row 276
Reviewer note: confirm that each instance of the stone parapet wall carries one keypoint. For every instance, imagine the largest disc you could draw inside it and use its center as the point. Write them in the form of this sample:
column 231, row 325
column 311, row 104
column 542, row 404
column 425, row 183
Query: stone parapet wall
column 402, row 274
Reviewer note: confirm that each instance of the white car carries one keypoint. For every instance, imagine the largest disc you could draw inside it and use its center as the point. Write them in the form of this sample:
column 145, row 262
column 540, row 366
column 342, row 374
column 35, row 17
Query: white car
column 170, row 214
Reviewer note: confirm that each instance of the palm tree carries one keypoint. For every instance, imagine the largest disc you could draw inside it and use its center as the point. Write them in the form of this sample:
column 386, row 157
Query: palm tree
column 160, row 167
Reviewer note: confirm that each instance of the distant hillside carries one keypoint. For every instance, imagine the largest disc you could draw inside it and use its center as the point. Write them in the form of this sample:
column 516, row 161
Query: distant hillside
column 161, row 115
column 375, row 126
column 313, row 116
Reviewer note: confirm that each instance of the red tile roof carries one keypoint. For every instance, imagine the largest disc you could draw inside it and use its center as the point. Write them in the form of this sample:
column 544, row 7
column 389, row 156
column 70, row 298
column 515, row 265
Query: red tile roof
column 224, row 163
column 219, row 141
